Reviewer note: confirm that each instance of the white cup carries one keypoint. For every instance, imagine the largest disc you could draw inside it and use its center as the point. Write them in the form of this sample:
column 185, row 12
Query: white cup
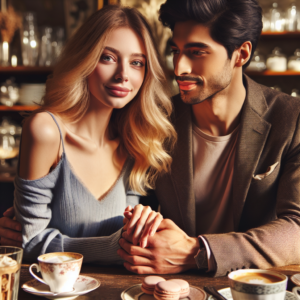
column 295, row 291
column 59, row 270
column 256, row 284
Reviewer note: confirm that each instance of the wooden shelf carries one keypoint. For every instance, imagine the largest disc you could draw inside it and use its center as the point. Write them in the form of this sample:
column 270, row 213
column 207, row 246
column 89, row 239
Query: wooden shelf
column 23, row 69
column 272, row 73
column 283, row 34
column 19, row 108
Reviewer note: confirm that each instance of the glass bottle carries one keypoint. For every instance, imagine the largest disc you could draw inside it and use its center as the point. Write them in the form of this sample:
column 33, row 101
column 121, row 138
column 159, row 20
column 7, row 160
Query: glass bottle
column 46, row 57
column 257, row 63
column 291, row 20
column 294, row 61
column 276, row 18
column 277, row 61
column 29, row 40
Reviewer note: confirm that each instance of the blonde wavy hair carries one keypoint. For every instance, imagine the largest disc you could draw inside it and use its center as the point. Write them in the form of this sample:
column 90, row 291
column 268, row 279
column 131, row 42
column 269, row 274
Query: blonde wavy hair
column 143, row 125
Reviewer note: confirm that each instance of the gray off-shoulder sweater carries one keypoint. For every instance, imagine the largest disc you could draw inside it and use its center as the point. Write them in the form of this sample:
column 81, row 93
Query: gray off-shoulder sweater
column 58, row 213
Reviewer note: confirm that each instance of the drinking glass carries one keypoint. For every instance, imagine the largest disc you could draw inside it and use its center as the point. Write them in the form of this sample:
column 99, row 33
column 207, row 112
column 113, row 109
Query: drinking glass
column 10, row 265
column 291, row 20
column 46, row 56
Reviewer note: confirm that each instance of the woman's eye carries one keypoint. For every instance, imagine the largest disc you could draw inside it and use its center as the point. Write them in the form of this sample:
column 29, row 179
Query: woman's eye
column 137, row 63
column 107, row 58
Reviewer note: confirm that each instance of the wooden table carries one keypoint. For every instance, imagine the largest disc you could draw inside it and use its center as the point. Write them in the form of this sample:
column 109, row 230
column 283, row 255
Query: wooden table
column 116, row 279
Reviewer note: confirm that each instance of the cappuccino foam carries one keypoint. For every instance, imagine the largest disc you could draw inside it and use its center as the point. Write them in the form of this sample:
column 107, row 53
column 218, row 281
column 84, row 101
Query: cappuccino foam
column 6, row 261
column 258, row 278
column 59, row 259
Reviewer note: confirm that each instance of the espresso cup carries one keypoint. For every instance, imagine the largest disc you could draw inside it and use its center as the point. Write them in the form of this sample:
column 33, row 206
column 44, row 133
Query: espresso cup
column 296, row 289
column 255, row 284
column 59, row 270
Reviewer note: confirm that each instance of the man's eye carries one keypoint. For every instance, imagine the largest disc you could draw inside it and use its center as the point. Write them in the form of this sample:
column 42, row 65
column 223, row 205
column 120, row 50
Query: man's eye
column 197, row 52
column 174, row 51
column 137, row 63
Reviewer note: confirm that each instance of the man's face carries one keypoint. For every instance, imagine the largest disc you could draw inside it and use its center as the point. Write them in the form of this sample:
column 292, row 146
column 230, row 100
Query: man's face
column 202, row 66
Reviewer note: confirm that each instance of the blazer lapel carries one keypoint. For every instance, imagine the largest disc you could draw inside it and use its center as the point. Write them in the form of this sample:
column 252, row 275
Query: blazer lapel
column 182, row 167
column 253, row 134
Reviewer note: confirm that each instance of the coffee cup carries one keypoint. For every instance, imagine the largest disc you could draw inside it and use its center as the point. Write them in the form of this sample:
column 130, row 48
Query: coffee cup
column 255, row 284
column 296, row 289
column 59, row 270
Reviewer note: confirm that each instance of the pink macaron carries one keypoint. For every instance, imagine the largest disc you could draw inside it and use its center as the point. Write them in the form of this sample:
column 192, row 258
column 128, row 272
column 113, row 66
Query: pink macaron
column 149, row 283
column 185, row 287
column 167, row 290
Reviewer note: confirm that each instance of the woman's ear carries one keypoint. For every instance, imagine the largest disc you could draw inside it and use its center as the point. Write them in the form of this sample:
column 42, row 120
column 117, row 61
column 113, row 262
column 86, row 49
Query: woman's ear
column 243, row 54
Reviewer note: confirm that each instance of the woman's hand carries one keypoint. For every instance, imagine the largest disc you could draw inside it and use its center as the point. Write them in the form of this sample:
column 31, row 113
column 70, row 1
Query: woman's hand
column 141, row 223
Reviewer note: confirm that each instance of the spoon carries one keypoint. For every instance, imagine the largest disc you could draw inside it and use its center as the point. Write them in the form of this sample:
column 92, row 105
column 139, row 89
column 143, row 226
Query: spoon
column 213, row 291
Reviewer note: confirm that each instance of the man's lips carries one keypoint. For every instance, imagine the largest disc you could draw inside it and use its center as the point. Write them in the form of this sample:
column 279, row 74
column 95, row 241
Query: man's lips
column 187, row 85
column 117, row 91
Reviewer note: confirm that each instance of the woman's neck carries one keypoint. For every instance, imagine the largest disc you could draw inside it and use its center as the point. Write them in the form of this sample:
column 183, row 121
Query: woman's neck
column 93, row 126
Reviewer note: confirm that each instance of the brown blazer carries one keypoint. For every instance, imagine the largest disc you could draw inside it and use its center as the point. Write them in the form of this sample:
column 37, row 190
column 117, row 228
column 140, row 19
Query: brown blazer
column 267, row 211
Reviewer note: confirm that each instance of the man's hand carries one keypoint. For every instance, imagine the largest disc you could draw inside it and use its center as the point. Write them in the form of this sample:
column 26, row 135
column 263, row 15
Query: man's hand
column 10, row 230
column 169, row 251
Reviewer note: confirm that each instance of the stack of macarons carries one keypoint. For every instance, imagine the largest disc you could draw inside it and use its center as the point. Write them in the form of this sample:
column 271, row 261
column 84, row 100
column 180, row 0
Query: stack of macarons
column 172, row 289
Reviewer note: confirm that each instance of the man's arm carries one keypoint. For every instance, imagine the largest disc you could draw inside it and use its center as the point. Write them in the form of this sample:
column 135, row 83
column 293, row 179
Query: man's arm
column 10, row 230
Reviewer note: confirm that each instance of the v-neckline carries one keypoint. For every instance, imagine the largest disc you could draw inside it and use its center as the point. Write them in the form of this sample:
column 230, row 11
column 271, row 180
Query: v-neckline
column 104, row 195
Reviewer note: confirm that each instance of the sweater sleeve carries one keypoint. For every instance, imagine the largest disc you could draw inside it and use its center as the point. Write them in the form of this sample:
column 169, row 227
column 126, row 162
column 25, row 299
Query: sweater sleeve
column 32, row 203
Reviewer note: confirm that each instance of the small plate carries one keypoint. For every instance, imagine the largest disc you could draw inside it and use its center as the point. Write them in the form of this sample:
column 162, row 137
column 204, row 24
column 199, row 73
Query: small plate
column 296, row 279
column 135, row 293
column 227, row 294
column 83, row 285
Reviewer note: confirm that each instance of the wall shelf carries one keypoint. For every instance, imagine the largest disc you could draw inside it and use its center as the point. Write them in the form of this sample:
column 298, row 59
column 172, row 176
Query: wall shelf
column 19, row 108
column 24, row 69
column 283, row 34
column 272, row 73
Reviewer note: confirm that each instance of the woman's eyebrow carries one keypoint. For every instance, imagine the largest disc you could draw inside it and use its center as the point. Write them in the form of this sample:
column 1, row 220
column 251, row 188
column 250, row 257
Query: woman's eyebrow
column 118, row 52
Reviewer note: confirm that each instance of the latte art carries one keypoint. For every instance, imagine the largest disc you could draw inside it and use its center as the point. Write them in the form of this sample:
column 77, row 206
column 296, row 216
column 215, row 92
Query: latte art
column 59, row 259
column 257, row 278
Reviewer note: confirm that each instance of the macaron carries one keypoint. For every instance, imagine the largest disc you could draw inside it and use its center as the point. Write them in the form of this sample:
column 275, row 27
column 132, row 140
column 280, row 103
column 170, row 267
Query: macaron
column 149, row 283
column 185, row 287
column 167, row 290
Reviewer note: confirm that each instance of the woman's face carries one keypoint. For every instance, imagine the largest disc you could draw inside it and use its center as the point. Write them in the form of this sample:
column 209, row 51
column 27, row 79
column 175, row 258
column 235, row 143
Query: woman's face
column 120, row 72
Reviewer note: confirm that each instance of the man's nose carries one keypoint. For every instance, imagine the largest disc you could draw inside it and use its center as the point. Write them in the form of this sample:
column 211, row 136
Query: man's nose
column 182, row 65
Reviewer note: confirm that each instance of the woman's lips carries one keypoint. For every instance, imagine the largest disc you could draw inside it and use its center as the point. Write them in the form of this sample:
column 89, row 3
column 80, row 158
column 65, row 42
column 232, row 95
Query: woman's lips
column 186, row 86
column 117, row 91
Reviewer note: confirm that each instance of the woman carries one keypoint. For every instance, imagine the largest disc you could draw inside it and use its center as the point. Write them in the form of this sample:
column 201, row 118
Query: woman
column 103, row 129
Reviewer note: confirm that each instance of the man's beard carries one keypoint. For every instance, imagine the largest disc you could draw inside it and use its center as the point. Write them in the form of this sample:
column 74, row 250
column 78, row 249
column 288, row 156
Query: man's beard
column 213, row 86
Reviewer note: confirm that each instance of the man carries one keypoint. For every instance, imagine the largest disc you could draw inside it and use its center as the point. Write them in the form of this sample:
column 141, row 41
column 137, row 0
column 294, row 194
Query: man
column 232, row 198
column 235, row 178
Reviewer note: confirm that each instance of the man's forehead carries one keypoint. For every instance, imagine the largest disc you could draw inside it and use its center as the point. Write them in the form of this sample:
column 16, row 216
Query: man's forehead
column 191, row 32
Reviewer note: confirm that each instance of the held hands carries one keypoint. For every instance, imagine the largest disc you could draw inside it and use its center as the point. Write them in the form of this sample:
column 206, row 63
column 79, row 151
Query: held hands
column 169, row 251
column 141, row 222
column 10, row 230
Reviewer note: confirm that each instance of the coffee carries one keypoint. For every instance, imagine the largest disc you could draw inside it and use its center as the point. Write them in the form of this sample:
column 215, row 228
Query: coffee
column 8, row 270
column 257, row 278
column 59, row 259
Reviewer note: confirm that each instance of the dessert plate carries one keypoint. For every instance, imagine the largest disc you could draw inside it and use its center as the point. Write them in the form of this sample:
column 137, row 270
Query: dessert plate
column 227, row 294
column 135, row 293
column 83, row 285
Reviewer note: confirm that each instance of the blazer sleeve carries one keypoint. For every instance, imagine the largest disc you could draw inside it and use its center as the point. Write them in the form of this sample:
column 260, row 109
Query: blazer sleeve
column 276, row 243
column 32, row 205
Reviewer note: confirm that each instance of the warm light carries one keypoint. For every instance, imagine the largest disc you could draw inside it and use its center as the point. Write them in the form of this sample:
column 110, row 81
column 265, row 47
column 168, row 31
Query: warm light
column 5, row 51
column 14, row 60
column 33, row 44
column 25, row 40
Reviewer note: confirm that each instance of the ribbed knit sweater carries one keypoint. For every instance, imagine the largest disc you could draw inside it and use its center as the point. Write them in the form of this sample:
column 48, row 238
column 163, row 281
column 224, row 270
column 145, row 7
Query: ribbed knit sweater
column 58, row 213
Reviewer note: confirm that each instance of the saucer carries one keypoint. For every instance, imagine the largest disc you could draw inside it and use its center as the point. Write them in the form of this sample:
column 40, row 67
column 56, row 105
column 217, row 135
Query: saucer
column 227, row 294
column 83, row 285
column 135, row 293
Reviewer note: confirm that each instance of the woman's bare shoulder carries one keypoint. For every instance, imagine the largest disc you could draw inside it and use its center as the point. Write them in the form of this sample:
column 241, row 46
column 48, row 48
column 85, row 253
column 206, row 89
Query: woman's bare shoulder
column 41, row 128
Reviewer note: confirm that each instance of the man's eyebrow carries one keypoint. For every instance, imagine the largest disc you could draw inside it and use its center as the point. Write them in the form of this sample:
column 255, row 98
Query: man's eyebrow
column 118, row 52
column 196, row 45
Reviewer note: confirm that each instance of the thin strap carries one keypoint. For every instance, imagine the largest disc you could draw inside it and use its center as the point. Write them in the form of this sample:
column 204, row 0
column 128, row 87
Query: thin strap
column 61, row 137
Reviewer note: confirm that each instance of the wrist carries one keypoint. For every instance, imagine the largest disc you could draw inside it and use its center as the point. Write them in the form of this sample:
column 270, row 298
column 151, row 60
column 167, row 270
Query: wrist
column 193, row 249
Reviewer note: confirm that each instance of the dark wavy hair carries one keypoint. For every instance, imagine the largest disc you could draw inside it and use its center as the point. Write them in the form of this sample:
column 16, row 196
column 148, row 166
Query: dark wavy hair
column 231, row 22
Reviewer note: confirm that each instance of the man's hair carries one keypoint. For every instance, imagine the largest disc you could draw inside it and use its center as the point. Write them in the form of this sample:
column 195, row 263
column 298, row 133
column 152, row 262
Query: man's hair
column 231, row 22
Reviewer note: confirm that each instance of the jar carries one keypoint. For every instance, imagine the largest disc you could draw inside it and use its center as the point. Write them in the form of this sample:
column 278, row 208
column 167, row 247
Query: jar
column 257, row 63
column 277, row 61
column 294, row 61
column 291, row 20
column 295, row 93
column 277, row 21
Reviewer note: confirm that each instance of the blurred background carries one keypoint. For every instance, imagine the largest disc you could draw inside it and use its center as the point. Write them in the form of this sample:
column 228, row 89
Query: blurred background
column 33, row 33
